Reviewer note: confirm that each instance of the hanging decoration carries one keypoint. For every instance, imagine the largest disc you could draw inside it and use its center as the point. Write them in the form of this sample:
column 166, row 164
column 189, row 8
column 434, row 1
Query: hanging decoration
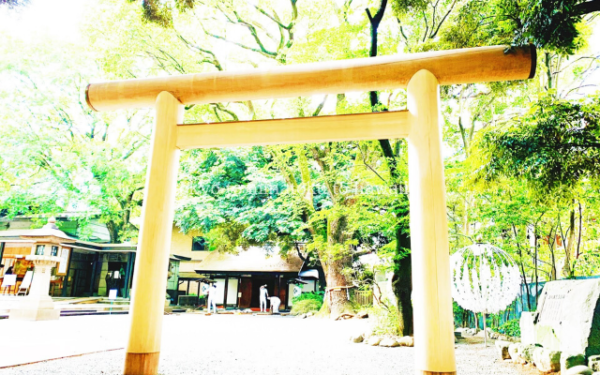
column 485, row 279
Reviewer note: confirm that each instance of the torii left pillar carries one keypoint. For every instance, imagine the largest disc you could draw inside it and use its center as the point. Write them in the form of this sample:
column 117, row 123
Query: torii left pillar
column 151, row 266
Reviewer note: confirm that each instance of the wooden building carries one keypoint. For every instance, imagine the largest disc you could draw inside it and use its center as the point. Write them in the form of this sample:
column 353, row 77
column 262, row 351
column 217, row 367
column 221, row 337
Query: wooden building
column 239, row 276
column 85, row 269
column 92, row 268
column 89, row 267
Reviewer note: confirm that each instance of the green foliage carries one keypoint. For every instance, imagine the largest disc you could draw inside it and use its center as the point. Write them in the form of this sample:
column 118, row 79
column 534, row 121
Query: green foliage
column 314, row 296
column 510, row 328
column 157, row 12
column 306, row 306
column 386, row 321
column 551, row 24
column 554, row 25
column 457, row 309
column 556, row 145
column 58, row 155
column 404, row 7
column 161, row 13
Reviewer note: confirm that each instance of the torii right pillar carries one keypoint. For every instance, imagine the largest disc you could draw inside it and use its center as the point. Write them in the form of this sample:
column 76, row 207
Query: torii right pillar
column 432, row 299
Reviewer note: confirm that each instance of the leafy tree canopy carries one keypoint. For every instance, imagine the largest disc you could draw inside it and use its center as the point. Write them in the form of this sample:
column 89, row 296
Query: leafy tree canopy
column 554, row 146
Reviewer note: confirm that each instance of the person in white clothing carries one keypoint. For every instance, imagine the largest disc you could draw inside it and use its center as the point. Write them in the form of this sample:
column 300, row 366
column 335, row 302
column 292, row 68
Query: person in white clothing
column 264, row 295
column 212, row 298
column 275, row 303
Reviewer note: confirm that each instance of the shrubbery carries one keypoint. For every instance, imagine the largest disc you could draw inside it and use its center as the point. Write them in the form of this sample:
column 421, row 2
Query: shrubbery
column 307, row 302
column 306, row 306
column 386, row 321
column 317, row 296
column 510, row 328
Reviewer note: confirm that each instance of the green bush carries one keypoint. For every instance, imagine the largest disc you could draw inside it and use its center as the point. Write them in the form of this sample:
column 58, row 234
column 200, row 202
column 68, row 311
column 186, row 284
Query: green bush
column 510, row 328
column 316, row 296
column 386, row 322
column 306, row 306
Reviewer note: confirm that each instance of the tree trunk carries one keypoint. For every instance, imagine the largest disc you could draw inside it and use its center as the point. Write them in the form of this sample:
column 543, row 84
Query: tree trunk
column 567, row 270
column 402, row 282
column 403, row 285
column 521, row 261
column 578, row 253
column 336, row 298
column 113, row 231
column 549, row 77
column 535, row 262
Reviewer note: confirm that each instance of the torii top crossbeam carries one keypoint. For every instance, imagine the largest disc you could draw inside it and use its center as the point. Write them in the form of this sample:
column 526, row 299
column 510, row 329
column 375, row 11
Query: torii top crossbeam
column 472, row 65
column 420, row 73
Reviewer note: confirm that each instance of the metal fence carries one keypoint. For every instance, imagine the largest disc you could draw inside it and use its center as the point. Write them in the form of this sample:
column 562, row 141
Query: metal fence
column 517, row 307
column 188, row 300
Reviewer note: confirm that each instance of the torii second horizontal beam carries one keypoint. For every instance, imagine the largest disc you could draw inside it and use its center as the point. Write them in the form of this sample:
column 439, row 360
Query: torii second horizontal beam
column 469, row 65
column 367, row 126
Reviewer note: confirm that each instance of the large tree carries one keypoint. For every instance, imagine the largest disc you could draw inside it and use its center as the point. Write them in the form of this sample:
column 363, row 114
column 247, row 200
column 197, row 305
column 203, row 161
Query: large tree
column 58, row 155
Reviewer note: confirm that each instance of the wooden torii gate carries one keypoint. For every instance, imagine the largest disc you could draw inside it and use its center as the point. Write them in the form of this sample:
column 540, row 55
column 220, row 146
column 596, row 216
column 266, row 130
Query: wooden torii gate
column 420, row 73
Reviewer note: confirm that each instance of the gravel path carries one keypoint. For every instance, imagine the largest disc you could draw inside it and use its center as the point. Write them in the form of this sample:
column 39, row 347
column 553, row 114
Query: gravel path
column 247, row 345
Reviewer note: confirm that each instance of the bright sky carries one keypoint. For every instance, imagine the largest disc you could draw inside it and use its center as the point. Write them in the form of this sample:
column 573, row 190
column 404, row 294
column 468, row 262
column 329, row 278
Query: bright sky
column 56, row 19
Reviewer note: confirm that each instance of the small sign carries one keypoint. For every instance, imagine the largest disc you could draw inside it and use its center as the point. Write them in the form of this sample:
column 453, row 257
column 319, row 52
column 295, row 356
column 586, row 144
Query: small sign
column 551, row 310
column 9, row 280
column 297, row 291
column 63, row 265
column 112, row 294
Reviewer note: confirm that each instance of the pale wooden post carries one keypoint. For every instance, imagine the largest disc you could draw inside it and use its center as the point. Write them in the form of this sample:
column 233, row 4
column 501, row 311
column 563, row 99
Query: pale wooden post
column 432, row 300
column 152, row 261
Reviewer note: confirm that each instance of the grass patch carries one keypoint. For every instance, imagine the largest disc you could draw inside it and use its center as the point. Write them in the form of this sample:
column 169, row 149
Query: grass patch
column 306, row 306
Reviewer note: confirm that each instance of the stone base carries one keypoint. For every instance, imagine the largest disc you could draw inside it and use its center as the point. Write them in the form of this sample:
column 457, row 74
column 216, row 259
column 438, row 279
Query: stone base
column 35, row 309
column 41, row 314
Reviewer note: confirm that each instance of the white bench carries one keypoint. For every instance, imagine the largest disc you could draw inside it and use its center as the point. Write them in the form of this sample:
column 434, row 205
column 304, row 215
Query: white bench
column 26, row 284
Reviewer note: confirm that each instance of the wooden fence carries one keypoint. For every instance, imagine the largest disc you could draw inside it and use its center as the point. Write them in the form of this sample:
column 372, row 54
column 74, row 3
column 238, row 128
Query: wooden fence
column 363, row 297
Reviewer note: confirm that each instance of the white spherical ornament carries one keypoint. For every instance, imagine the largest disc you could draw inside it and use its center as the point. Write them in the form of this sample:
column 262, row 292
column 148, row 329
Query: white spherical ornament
column 484, row 278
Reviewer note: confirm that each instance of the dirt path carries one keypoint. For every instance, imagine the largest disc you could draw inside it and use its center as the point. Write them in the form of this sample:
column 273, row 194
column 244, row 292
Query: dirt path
column 247, row 345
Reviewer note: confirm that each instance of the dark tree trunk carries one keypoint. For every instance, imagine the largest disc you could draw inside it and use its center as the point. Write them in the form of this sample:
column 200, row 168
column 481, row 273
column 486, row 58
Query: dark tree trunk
column 535, row 261
column 403, row 288
column 113, row 231
column 402, row 279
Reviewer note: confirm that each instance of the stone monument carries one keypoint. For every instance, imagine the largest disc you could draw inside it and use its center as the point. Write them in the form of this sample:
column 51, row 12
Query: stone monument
column 567, row 318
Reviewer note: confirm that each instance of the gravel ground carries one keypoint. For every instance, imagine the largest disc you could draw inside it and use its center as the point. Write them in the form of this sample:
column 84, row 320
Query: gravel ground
column 246, row 345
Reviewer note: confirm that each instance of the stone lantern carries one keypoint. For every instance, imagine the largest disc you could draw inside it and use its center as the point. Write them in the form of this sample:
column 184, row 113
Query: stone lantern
column 45, row 254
